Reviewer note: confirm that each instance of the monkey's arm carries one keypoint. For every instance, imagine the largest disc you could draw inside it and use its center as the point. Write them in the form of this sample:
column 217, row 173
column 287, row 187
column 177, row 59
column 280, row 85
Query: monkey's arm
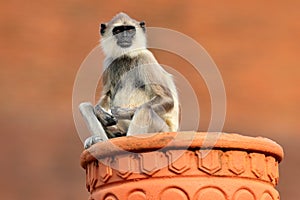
column 103, row 105
column 162, row 102
column 104, row 101
column 123, row 113
column 104, row 117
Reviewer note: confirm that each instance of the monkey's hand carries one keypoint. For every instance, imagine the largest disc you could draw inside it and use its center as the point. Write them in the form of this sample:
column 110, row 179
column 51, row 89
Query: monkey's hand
column 104, row 117
column 123, row 113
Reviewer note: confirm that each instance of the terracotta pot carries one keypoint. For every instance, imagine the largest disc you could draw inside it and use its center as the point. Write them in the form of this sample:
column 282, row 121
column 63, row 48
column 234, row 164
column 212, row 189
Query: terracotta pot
column 183, row 166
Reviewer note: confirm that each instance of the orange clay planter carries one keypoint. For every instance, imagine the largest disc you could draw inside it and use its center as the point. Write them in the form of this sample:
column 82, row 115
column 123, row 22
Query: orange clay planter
column 236, row 168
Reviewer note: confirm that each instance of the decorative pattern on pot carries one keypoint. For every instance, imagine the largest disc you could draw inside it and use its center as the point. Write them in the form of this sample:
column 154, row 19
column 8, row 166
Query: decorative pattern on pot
column 223, row 173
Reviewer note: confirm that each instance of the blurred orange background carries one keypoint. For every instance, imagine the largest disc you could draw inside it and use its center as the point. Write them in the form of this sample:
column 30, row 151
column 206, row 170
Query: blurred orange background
column 256, row 46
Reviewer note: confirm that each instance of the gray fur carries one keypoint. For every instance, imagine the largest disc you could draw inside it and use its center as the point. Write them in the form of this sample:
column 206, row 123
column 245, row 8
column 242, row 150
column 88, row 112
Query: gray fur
column 94, row 126
column 138, row 95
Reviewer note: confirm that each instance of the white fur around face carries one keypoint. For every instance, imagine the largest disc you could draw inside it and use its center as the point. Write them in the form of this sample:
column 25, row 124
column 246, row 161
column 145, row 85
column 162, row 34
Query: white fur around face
column 112, row 50
column 109, row 42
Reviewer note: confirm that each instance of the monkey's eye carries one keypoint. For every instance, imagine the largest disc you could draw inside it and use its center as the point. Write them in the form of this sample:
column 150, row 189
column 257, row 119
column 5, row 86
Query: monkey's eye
column 119, row 29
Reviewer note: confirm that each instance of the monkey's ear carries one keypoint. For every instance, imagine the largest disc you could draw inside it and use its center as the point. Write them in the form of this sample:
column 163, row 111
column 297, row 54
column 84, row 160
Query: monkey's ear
column 143, row 25
column 102, row 28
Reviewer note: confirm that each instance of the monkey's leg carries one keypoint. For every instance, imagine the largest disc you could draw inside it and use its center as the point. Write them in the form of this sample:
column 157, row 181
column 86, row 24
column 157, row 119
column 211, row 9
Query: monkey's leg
column 145, row 120
column 94, row 126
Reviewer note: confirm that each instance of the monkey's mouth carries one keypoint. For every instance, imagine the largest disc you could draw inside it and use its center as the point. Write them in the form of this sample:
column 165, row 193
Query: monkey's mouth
column 124, row 44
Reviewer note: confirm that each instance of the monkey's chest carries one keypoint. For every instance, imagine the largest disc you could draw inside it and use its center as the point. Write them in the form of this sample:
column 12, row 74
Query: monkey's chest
column 129, row 86
column 129, row 96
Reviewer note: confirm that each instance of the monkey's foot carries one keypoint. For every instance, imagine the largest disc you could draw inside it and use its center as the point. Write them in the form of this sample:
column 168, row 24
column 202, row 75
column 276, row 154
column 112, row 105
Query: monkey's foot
column 92, row 140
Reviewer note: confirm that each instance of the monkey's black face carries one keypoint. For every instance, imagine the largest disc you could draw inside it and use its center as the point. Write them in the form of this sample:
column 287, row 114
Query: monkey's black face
column 124, row 35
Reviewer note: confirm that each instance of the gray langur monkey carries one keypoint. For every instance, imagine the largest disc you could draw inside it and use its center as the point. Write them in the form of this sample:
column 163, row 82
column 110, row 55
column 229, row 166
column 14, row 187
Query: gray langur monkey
column 138, row 95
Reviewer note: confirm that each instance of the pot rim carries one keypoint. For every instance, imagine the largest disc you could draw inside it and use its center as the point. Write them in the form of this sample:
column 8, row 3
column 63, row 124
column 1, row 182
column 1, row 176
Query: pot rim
column 180, row 140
